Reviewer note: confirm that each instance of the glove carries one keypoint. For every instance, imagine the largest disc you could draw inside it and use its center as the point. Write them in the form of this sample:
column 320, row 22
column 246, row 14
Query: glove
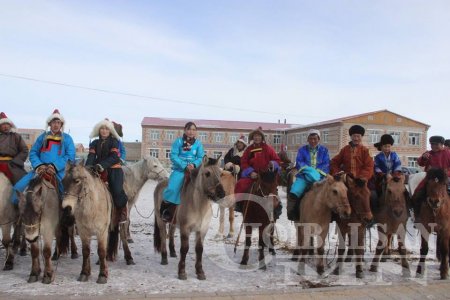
column 50, row 170
column 360, row 182
column 236, row 169
column 41, row 169
column 99, row 168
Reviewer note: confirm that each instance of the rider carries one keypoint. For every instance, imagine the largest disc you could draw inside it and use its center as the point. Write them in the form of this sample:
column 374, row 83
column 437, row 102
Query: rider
column 386, row 162
column 186, row 154
column 313, row 164
column 437, row 157
column 232, row 159
column 49, row 154
column 256, row 158
column 13, row 150
column 104, row 158
column 354, row 158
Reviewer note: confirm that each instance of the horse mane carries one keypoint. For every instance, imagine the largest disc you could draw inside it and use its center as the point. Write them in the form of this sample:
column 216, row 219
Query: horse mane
column 34, row 182
column 437, row 173
column 211, row 161
column 268, row 176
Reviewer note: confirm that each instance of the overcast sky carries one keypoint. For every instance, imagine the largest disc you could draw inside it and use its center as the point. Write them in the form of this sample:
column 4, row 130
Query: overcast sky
column 306, row 61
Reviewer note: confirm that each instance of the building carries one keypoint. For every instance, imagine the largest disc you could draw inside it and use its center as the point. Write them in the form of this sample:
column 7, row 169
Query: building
column 29, row 135
column 218, row 136
column 133, row 150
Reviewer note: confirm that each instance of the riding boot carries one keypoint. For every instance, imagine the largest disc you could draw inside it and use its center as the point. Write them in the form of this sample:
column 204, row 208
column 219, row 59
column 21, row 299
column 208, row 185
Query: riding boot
column 293, row 207
column 167, row 211
column 417, row 200
column 122, row 214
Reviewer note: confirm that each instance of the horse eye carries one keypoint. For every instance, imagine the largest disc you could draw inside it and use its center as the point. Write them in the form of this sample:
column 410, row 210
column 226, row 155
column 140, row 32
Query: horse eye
column 207, row 174
column 335, row 192
column 77, row 181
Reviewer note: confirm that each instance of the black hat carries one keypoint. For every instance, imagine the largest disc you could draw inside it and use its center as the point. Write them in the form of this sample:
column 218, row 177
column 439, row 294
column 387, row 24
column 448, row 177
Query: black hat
column 257, row 131
column 437, row 139
column 385, row 139
column 447, row 143
column 356, row 129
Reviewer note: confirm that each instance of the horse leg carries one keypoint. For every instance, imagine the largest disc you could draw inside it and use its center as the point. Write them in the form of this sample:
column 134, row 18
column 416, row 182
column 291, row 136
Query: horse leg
column 128, row 224
column 387, row 249
column 35, row 267
column 198, row 256
column 113, row 243
column 444, row 239
column 262, row 234
column 297, row 250
column 272, row 243
column 381, row 247
column 341, row 251
column 359, row 251
column 9, row 247
column 86, row 267
column 172, row 251
column 420, row 271
column 73, row 245
column 405, row 265
column 219, row 234
column 101, row 251
column 23, row 243
column 301, row 251
column 126, row 248
column 320, row 250
column 231, row 219
column 184, row 248
column 49, row 275
column 248, row 242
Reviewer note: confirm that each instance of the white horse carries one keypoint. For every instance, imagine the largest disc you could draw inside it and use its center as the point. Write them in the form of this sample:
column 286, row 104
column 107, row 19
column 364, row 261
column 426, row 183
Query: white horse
column 228, row 181
column 414, row 180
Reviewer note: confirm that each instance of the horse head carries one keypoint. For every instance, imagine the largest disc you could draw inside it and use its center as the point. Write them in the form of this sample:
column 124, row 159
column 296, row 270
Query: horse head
column 267, row 184
column 208, row 178
column 73, row 183
column 154, row 169
column 336, row 195
column 394, row 194
column 436, row 188
column 359, row 198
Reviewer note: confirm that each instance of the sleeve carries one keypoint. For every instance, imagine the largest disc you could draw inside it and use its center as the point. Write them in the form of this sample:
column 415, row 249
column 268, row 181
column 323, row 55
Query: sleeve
column 367, row 167
column 274, row 157
column 397, row 164
column 423, row 162
column 300, row 161
column 200, row 153
column 324, row 166
column 336, row 162
column 245, row 164
column 122, row 151
column 228, row 156
column 35, row 150
column 113, row 156
column 68, row 155
column 377, row 164
column 92, row 153
column 22, row 151
column 174, row 156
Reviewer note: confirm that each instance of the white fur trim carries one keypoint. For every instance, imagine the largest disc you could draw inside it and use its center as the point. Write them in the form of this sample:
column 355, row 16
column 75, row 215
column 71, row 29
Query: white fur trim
column 55, row 116
column 96, row 131
column 314, row 131
column 7, row 120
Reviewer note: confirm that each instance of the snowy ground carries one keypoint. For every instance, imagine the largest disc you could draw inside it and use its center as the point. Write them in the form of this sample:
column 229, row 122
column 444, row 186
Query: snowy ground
column 220, row 264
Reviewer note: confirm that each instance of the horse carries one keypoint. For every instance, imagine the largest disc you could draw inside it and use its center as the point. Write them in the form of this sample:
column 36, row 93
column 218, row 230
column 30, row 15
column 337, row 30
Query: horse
column 88, row 201
column 434, row 215
column 324, row 197
column 9, row 216
column 135, row 176
column 258, row 210
column 228, row 181
column 193, row 213
column 359, row 198
column 414, row 180
column 39, row 209
column 391, row 219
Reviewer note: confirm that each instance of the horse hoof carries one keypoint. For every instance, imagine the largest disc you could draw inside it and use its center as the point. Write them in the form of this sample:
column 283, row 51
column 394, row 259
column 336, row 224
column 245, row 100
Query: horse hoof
column 373, row 269
column 102, row 280
column 23, row 252
column 8, row 266
column 130, row 241
column 294, row 258
column 230, row 236
column 406, row 273
column 263, row 267
column 336, row 271
column 173, row 254
column 201, row 276
column 182, row 276
column 383, row 259
column 273, row 252
column 359, row 274
column 164, row 261
column 47, row 279
column 219, row 237
column 74, row 256
column 97, row 262
column 348, row 259
column 33, row 278
column 83, row 278
column 130, row 262
column 55, row 257
column 320, row 271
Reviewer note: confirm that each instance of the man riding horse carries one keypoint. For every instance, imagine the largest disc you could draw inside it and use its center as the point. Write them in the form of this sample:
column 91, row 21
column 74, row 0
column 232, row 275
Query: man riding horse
column 232, row 159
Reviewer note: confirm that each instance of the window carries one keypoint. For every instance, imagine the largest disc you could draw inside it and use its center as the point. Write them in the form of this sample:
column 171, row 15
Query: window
column 233, row 138
column 396, row 136
column 304, row 138
column 216, row 154
column 324, row 136
column 277, row 139
column 154, row 134
column 170, row 135
column 154, row 153
column 218, row 137
column 202, row 136
column 374, row 136
column 25, row 136
column 168, row 153
column 298, row 138
column 412, row 162
column 414, row 139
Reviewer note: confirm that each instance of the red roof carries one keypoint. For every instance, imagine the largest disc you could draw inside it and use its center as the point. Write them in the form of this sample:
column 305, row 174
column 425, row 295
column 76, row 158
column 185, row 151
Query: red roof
column 214, row 124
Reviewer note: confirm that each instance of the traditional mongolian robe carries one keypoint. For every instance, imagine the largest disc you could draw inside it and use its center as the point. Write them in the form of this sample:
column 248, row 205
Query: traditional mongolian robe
column 13, row 153
column 355, row 160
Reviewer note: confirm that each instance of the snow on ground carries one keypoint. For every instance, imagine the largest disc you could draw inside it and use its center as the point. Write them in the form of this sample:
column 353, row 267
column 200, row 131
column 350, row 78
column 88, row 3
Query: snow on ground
column 220, row 264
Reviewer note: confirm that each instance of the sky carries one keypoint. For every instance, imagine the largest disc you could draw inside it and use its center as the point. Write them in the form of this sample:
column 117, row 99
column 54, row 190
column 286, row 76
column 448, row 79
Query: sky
column 304, row 61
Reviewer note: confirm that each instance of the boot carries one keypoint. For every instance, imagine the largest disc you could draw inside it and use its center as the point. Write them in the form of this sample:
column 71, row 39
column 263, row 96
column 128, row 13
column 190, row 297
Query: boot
column 293, row 207
column 167, row 210
column 417, row 200
column 122, row 214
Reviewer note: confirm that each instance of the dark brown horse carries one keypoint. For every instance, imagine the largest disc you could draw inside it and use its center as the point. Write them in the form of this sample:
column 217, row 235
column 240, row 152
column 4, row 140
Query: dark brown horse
column 391, row 219
column 258, row 211
column 435, row 217
column 355, row 226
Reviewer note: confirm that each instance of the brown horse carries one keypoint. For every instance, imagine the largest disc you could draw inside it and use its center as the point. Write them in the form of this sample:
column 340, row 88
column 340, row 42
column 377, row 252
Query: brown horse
column 434, row 217
column 39, row 209
column 258, row 211
column 325, row 197
column 354, row 227
column 391, row 219
column 193, row 214
column 228, row 181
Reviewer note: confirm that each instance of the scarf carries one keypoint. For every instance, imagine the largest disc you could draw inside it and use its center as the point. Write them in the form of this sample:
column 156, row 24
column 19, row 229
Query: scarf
column 187, row 142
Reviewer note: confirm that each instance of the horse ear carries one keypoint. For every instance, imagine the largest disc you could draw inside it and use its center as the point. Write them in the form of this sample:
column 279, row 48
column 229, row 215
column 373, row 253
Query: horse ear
column 218, row 159
column 81, row 162
column 205, row 159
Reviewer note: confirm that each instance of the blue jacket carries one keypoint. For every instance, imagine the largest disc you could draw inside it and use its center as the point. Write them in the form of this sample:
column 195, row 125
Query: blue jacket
column 122, row 151
column 322, row 159
column 181, row 159
column 389, row 165
column 55, row 150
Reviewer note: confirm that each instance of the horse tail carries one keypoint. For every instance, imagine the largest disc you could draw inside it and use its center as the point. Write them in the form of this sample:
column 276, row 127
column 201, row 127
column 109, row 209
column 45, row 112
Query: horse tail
column 157, row 237
column 113, row 243
column 64, row 239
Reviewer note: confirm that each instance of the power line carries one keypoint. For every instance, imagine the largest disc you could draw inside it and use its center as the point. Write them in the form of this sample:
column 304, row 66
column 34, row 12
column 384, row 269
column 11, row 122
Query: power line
column 153, row 98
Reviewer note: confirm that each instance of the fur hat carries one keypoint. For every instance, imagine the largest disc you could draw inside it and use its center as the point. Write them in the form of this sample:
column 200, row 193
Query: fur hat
column 447, row 143
column 242, row 140
column 107, row 123
column 118, row 128
column 257, row 131
column 385, row 139
column 437, row 139
column 314, row 131
column 4, row 119
column 56, row 115
column 356, row 129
